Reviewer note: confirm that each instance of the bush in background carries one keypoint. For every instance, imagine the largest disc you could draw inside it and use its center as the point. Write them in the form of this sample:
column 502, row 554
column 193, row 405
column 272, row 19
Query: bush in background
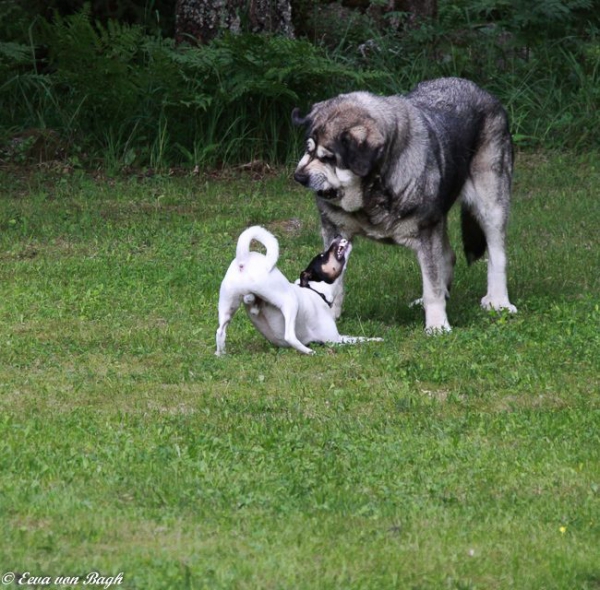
column 116, row 95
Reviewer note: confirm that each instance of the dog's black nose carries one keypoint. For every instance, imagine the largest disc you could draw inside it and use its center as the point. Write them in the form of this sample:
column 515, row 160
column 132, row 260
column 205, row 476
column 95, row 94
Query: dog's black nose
column 301, row 177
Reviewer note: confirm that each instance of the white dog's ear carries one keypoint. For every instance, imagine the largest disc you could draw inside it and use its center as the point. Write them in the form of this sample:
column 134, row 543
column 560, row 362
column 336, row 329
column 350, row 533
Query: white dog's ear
column 362, row 146
column 305, row 276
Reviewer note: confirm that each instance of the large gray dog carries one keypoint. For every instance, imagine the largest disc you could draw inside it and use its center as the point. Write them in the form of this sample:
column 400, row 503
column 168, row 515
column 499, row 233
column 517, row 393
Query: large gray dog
column 390, row 168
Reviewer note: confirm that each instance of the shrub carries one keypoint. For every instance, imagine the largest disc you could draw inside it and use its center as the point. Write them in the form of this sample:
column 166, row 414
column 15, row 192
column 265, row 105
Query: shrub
column 114, row 93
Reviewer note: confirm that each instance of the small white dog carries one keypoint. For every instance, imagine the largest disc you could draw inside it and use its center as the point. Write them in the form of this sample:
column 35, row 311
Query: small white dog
column 287, row 314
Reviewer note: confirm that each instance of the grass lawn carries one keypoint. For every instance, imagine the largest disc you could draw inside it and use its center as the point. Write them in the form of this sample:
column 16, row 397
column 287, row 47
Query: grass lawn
column 465, row 461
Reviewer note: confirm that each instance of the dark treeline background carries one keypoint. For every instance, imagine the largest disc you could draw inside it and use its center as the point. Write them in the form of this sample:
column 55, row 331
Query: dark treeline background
column 163, row 83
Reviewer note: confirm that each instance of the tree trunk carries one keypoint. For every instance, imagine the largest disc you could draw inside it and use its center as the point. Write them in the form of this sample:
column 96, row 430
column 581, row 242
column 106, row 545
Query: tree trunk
column 200, row 21
column 327, row 21
column 418, row 9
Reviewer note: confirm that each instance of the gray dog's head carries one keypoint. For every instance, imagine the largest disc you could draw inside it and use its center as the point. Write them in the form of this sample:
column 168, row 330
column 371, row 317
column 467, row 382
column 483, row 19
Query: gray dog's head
column 344, row 142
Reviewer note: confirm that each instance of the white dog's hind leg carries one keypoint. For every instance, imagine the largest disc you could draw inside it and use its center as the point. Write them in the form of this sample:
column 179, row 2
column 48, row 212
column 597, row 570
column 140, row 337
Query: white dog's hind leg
column 290, row 311
column 227, row 308
column 220, row 338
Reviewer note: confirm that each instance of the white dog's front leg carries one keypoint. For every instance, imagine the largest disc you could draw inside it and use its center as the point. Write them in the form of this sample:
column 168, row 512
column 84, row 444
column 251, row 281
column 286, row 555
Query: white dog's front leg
column 329, row 233
column 337, row 302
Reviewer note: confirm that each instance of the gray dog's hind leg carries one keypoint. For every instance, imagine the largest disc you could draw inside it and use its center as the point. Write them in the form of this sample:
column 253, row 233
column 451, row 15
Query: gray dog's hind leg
column 488, row 197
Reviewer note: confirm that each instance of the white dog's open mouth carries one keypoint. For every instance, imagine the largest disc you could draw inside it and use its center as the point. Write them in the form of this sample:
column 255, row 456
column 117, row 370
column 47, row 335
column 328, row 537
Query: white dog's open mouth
column 339, row 248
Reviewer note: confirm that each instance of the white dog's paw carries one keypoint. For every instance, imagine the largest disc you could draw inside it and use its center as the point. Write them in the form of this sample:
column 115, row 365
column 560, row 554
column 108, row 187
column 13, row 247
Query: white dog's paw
column 305, row 350
column 489, row 303
column 416, row 303
column 252, row 304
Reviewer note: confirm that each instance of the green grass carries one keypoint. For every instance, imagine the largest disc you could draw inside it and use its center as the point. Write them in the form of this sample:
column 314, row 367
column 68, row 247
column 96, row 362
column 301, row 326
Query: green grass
column 465, row 461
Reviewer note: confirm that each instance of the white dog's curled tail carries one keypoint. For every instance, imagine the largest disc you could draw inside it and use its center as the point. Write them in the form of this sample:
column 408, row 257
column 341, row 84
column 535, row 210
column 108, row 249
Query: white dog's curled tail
column 266, row 238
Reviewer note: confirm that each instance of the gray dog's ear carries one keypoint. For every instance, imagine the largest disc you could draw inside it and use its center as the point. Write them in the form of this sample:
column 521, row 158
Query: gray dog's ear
column 362, row 147
column 297, row 119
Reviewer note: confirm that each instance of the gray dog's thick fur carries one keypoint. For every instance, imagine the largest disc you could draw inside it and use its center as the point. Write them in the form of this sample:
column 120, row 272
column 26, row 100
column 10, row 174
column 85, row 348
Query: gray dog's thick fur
column 390, row 168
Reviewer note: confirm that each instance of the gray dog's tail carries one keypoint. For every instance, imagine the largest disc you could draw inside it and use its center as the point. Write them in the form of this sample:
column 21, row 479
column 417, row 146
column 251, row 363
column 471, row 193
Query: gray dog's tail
column 474, row 242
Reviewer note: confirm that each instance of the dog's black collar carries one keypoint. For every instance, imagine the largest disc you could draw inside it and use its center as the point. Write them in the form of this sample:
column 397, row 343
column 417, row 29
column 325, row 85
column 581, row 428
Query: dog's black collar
column 319, row 294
